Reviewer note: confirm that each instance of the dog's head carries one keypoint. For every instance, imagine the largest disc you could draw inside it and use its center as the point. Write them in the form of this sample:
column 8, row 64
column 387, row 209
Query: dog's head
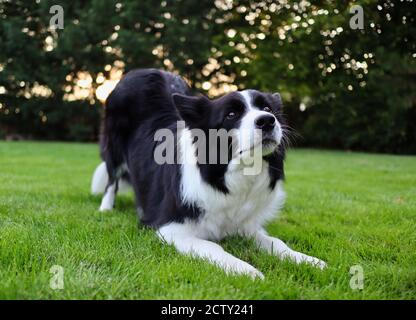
column 251, row 120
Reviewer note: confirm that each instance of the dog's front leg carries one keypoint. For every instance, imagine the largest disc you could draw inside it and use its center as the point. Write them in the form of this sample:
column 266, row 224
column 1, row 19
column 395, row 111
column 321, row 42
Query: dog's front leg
column 279, row 248
column 186, row 242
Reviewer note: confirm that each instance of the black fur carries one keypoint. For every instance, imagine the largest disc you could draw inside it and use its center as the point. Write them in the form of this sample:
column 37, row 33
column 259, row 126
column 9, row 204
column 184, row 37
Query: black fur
column 147, row 100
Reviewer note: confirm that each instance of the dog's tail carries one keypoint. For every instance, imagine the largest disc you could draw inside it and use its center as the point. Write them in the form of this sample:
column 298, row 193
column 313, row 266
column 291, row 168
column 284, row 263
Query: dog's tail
column 99, row 179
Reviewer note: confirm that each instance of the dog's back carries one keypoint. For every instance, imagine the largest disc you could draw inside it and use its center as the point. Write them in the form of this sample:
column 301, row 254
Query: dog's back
column 139, row 96
column 140, row 105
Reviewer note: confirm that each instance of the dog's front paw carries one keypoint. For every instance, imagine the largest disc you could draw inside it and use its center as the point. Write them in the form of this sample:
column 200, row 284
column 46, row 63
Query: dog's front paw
column 255, row 274
column 303, row 258
column 316, row 262
column 246, row 269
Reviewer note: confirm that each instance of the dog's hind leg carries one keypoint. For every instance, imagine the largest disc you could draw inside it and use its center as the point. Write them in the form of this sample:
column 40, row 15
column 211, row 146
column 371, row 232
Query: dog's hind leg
column 114, row 176
column 101, row 184
column 109, row 197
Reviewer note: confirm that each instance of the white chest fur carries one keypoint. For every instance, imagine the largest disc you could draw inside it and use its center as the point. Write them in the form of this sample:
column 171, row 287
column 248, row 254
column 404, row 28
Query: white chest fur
column 248, row 205
column 244, row 210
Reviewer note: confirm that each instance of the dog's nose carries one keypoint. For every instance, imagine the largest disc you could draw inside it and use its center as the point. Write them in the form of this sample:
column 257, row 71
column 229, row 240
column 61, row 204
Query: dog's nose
column 266, row 122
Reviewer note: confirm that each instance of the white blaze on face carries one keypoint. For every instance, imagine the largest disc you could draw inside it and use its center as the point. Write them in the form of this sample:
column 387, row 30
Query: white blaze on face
column 250, row 136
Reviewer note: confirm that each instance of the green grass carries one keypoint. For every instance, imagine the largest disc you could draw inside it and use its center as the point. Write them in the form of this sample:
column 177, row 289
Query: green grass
column 345, row 208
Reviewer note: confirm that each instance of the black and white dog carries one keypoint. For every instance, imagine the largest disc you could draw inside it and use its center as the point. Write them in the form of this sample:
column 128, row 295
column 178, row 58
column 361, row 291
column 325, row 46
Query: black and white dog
column 192, row 202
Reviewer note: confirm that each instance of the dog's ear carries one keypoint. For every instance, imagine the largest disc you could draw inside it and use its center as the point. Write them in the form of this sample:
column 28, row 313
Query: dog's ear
column 277, row 98
column 191, row 109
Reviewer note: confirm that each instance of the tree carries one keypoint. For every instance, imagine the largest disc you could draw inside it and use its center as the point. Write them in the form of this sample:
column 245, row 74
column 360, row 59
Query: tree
column 342, row 88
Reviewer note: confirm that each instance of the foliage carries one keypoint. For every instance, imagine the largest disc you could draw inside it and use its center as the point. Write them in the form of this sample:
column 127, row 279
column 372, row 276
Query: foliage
column 343, row 88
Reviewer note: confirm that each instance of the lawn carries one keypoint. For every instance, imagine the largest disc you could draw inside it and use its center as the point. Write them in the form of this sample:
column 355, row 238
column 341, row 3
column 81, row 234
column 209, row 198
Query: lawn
column 345, row 208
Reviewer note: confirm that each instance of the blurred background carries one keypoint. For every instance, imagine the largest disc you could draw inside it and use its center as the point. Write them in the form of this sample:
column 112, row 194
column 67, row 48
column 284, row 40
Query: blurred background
column 343, row 88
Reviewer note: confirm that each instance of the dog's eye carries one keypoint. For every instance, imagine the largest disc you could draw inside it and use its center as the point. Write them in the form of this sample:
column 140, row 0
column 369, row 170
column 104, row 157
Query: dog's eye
column 267, row 109
column 231, row 115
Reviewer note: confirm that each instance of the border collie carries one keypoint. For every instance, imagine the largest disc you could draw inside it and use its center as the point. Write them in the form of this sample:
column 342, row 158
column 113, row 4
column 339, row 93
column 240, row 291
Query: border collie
column 192, row 202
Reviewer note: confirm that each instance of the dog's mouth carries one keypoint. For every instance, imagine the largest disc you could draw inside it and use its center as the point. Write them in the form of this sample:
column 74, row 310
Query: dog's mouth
column 268, row 145
column 269, row 142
